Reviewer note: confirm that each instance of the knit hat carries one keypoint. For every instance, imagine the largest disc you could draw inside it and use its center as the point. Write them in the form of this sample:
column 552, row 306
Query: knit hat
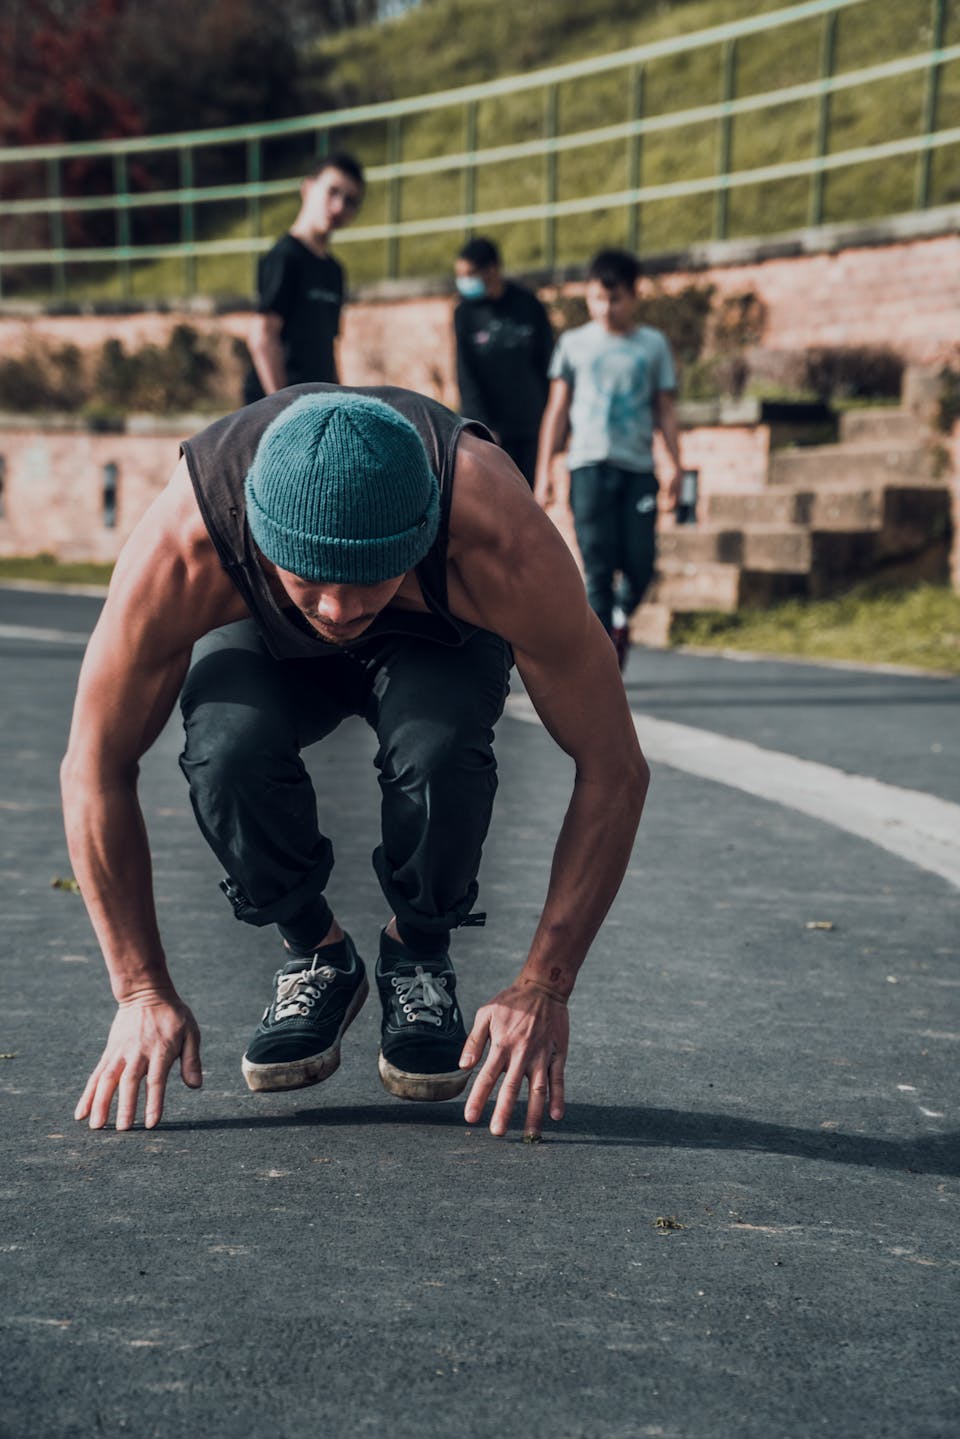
column 341, row 491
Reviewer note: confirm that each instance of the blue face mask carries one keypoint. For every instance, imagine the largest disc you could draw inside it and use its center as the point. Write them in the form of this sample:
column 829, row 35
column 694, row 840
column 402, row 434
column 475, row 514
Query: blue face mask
column 471, row 287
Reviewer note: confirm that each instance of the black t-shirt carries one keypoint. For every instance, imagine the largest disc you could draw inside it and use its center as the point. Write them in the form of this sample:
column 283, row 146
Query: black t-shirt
column 503, row 352
column 307, row 291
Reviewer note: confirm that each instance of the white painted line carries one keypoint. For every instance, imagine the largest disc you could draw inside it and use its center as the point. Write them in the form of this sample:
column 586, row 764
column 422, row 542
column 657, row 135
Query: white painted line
column 53, row 587
column 44, row 637
column 915, row 826
column 708, row 652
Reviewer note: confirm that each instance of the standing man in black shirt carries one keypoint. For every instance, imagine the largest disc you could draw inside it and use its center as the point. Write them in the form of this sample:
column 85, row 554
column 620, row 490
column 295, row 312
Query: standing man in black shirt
column 504, row 344
column 301, row 286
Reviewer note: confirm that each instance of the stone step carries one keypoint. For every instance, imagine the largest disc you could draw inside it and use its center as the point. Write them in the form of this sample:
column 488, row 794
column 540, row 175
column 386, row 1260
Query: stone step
column 701, row 544
column 880, row 426
column 834, row 507
column 782, row 506
column 907, row 516
column 685, row 588
column 650, row 625
column 758, row 547
column 819, row 465
column 772, row 549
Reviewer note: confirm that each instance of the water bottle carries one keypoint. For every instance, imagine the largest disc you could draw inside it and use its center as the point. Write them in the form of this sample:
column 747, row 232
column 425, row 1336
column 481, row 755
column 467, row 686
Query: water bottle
column 686, row 512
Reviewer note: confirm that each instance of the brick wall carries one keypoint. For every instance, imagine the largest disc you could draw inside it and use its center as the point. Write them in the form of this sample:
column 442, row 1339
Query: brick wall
column 905, row 294
column 53, row 480
column 53, row 489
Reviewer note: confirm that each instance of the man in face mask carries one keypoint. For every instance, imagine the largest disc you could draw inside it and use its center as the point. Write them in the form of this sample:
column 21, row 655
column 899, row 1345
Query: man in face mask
column 504, row 344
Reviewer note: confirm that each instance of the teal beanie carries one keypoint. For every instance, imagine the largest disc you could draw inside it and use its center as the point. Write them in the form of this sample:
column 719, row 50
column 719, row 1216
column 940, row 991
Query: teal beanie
column 341, row 491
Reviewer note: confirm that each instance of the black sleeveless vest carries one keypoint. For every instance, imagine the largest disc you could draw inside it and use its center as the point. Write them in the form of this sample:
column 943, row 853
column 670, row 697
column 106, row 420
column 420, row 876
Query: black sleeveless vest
column 218, row 459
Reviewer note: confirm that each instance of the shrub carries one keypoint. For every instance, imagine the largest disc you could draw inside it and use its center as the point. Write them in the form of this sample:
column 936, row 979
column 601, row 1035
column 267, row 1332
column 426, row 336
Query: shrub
column 567, row 312
column 854, row 372
column 184, row 374
column 710, row 379
column 177, row 377
column 682, row 318
column 736, row 322
column 948, row 403
column 44, row 379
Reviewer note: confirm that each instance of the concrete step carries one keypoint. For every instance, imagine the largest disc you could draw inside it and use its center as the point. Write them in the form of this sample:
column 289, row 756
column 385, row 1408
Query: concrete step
column 701, row 544
column 768, row 548
column 819, row 465
column 915, row 508
column 881, row 426
column 782, row 506
column 907, row 516
column 650, row 625
column 683, row 587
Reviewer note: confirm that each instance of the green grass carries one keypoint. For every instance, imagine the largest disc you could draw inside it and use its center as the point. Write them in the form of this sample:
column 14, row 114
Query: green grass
column 919, row 627
column 52, row 571
column 447, row 43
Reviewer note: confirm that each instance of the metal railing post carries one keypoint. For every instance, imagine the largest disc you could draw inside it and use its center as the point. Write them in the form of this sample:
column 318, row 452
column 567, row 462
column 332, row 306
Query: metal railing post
column 721, row 212
column 551, row 112
column 55, row 192
column 394, row 197
column 828, row 51
column 121, row 189
column 635, row 156
column 469, row 196
column 187, row 230
column 922, row 192
column 254, row 168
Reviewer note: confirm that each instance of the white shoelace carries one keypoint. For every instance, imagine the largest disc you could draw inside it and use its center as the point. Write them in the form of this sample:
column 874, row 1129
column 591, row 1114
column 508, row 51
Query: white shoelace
column 422, row 995
column 298, row 992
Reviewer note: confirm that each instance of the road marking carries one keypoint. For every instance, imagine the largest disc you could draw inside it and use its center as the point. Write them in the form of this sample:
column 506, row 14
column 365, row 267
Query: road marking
column 40, row 636
column 917, row 827
column 914, row 826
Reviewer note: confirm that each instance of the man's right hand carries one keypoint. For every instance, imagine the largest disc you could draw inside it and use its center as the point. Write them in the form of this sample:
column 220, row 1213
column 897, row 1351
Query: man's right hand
column 543, row 491
column 149, row 1032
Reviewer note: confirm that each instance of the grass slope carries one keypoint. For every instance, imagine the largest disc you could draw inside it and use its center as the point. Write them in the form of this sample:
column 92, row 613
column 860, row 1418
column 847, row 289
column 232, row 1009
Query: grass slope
column 918, row 627
column 447, row 43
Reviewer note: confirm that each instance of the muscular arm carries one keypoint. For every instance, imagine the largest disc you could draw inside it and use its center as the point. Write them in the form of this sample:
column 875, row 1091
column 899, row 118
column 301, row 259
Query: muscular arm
column 553, row 435
column 266, row 351
column 524, row 585
column 166, row 591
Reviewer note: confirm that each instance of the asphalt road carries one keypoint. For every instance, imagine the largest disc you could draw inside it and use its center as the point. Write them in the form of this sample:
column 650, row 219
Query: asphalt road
column 747, row 1225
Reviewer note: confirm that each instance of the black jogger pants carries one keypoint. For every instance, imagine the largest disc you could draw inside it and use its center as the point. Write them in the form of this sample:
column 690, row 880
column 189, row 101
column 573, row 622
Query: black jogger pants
column 247, row 716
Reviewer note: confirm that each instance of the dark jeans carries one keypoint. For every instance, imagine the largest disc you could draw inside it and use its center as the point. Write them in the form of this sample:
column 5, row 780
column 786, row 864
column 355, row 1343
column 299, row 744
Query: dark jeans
column 247, row 717
column 615, row 518
column 522, row 450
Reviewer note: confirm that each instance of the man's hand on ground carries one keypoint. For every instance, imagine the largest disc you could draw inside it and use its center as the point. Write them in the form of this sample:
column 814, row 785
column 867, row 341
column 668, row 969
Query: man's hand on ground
column 148, row 1033
column 528, row 1032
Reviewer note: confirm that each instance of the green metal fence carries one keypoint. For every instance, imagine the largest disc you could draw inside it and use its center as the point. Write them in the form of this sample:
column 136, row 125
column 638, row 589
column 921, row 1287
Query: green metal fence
column 397, row 130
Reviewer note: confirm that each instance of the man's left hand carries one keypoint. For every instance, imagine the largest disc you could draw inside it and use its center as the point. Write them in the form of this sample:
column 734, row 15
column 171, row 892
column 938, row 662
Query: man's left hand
column 528, row 1031
column 673, row 488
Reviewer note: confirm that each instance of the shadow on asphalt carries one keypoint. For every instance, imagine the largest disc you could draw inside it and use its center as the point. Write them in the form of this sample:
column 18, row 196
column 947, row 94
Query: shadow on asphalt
column 629, row 1126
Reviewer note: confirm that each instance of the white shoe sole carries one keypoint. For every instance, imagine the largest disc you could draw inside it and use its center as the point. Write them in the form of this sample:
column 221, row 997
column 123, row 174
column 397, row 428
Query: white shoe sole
column 424, row 1087
column 299, row 1073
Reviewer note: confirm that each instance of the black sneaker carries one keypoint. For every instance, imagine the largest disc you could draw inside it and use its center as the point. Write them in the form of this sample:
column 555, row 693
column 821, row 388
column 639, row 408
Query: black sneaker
column 297, row 1042
column 423, row 1033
